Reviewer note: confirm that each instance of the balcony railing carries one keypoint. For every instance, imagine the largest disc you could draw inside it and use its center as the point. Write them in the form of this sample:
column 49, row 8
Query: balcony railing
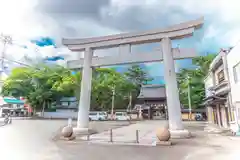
column 221, row 88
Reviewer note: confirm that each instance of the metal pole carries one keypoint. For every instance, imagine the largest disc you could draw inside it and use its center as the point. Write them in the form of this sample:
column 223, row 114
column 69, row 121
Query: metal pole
column 140, row 113
column 88, row 137
column 111, row 136
column 113, row 101
column 130, row 101
column 189, row 100
column 137, row 136
column 5, row 40
column 2, row 56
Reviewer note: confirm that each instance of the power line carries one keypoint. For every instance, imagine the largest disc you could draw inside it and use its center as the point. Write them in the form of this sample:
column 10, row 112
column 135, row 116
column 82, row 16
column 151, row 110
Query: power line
column 14, row 61
column 5, row 39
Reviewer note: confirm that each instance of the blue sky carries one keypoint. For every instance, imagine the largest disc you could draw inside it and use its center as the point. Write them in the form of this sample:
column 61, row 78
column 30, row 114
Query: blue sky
column 37, row 26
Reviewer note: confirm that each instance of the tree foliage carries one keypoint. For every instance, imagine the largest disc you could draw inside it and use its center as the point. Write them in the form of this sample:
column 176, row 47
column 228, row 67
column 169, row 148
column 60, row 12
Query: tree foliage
column 194, row 78
column 41, row 85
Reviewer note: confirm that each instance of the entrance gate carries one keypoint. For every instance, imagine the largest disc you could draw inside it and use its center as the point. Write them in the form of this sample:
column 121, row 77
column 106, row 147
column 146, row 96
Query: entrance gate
column 167, row 54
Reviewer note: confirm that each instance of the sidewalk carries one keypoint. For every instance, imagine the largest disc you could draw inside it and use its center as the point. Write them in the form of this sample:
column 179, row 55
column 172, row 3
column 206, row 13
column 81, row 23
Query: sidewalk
column 213, row 128
column 230, row 147
column 127, row 135
column 207, row 144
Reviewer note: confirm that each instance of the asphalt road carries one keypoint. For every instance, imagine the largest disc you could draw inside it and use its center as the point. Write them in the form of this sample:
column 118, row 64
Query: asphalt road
column 31, row 140
column 28, row 139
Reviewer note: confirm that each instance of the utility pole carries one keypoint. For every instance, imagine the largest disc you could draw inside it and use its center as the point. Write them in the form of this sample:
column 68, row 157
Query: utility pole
column 113, row 101
column 130, row 102
column 5, row 39
column 189, row 99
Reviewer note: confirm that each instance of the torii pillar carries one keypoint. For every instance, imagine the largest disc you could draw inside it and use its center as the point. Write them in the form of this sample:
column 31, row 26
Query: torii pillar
column 172, row 93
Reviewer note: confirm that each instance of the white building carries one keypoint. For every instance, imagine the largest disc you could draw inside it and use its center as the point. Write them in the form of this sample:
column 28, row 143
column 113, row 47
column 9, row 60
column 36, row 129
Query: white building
column 233, row 59
column 222, row 88
column 217, row 91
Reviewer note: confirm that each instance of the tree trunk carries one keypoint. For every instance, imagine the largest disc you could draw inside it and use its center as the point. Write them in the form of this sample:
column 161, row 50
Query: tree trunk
column 130, row 102
column 34, row 111
column 102, row 107
column 43, row 108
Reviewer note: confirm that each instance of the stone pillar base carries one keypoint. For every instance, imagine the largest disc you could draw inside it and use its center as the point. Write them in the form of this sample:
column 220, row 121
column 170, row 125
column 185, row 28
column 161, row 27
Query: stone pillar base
column 180, row 134
column 164, row 143
column 83, row 131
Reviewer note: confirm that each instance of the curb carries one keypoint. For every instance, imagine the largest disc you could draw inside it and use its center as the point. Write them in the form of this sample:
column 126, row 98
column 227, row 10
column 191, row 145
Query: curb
column 123, row 143
column 21, row 118
column 154, row 144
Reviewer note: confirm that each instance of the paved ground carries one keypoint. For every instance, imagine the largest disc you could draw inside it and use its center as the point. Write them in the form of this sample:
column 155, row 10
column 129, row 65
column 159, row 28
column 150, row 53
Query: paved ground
column 31, row 139
column 146, row 131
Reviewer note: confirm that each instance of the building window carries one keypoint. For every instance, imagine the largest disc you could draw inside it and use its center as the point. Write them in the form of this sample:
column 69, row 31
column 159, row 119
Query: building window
column 236, row 73
column 220, row 76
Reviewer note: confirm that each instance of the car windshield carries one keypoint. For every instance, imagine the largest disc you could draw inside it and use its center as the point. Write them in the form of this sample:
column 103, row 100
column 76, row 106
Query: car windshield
column 119, row 114
column 101, row 113
column 92, row 114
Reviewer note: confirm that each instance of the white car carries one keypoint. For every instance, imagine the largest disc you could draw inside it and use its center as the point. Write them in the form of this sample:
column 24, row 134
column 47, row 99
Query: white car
column 97, row 116
column 122, row 116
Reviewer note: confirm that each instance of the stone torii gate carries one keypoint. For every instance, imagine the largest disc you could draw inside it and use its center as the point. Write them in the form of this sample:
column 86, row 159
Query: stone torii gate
column 166, row 53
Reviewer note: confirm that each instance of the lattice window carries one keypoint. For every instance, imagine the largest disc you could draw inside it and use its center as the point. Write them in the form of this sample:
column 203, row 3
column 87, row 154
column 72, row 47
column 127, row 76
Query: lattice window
column 220, row 76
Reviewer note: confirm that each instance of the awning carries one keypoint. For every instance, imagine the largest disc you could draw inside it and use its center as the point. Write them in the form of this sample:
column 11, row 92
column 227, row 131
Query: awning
column 13, row 101
column 213, row 101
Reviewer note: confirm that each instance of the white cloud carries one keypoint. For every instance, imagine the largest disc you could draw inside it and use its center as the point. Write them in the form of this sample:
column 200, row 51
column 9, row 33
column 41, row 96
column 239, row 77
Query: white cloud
column 232, row 37
column 19, row 19
column 23, row 21
column 211, row 32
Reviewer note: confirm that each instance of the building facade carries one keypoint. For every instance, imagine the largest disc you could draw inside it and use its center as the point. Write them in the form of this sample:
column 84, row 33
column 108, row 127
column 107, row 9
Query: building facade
column 217, row 91
column 152, row 101
column 233, row 59
column 222, row 88
column 13, row 106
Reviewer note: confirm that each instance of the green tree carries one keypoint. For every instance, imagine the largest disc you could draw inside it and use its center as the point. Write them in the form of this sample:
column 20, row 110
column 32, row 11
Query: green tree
column 203, row 63
column 136, row 77
column 106, row 81
column 193, row 80
column 40, row 84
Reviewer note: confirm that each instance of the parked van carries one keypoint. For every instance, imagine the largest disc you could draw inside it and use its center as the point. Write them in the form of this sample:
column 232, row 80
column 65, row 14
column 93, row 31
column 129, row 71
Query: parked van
column 97, row 116
column 121, row 116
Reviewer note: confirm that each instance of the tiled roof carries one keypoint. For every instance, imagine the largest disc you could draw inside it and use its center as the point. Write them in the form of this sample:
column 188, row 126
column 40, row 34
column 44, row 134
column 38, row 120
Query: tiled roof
column 152, row 91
